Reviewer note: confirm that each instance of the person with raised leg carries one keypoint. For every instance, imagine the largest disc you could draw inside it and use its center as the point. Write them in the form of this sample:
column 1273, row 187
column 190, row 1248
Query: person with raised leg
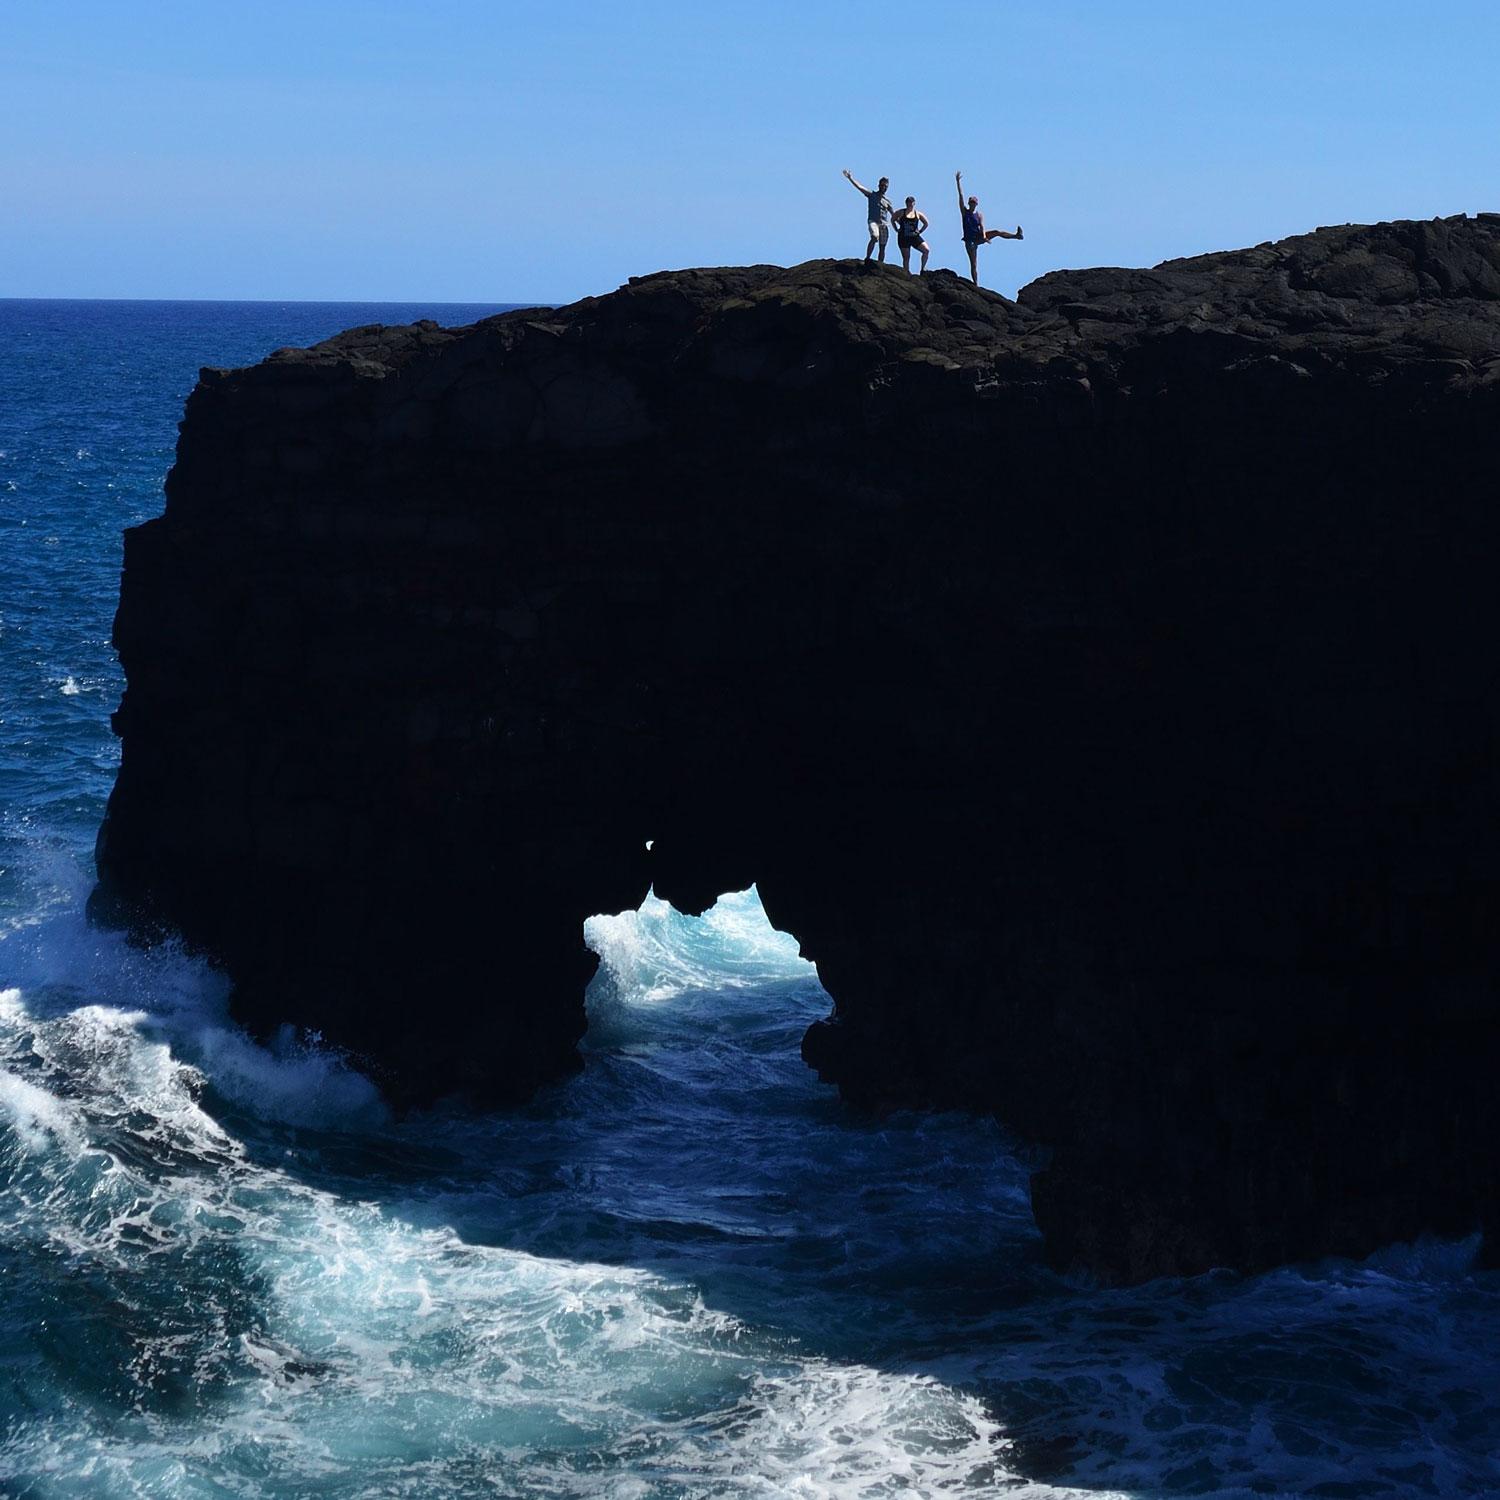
column 975, row 234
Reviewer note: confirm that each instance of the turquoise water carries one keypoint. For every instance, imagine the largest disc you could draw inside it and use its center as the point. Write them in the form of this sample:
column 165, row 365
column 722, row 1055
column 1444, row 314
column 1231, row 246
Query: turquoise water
column 687, row 1272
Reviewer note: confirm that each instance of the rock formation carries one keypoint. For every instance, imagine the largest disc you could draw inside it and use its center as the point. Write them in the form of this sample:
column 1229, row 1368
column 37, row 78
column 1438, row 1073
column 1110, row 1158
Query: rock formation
column 1100, row 686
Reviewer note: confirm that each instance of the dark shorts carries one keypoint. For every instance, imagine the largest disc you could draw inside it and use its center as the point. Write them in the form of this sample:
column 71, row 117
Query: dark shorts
column 910, row 242
column 972, row 244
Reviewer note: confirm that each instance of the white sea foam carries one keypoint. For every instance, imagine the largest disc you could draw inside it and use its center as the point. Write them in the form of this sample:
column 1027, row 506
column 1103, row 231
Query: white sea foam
column 656, row 954
column 39, row 1120
column 180, row 1003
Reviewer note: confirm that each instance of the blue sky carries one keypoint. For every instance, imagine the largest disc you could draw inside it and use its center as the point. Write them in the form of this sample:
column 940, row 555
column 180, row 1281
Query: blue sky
column 460, row 150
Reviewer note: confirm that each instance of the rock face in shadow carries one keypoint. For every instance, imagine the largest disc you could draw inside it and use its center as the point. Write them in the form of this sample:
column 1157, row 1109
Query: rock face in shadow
column 1100, row 686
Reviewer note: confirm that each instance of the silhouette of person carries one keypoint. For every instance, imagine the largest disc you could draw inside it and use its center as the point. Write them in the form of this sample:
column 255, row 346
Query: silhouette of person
column 975, row 234
column 911, row 224
column 879, row 210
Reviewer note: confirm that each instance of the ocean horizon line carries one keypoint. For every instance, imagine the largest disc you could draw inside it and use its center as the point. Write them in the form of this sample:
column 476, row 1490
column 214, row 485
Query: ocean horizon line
column 307, row 301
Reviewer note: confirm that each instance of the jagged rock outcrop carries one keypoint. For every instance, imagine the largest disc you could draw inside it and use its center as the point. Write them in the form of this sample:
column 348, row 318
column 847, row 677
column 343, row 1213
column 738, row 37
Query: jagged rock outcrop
column 1099, row 685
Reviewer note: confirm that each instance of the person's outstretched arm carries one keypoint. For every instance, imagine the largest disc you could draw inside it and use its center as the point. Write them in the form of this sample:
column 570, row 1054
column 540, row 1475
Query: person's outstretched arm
column 857, row 183
column 958, row 182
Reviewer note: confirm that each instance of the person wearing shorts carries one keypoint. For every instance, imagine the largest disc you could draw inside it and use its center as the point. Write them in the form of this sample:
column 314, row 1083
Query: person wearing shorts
column 975, row 234
column 911, row 225
column 879, row 210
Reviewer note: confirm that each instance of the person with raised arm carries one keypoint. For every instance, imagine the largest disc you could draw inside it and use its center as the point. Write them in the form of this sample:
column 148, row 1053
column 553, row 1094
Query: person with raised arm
column 975, row 234
column 879, row 210
column 911, row 225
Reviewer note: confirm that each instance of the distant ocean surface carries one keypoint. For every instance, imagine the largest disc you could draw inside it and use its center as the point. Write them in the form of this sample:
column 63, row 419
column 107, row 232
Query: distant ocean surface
column 689, row 1272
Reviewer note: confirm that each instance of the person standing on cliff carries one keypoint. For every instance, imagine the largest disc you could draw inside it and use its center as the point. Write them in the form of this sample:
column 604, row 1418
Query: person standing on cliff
column 879, row 212
column 975, row 234
column 911, row 225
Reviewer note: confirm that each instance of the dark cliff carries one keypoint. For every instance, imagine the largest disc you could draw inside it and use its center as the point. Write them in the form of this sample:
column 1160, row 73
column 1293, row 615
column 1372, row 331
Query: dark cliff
column 1099, row 686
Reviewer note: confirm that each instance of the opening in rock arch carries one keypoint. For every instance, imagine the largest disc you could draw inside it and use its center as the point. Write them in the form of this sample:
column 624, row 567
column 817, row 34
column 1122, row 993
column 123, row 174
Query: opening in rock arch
column 661, row 970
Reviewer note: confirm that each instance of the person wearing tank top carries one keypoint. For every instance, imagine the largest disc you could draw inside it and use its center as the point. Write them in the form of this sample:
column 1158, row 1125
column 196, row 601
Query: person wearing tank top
column 911, row 225
column 975, row 234
column 878, row 208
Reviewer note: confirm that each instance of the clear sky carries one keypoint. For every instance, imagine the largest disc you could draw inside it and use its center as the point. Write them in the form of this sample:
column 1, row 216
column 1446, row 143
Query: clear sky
column 492, row 151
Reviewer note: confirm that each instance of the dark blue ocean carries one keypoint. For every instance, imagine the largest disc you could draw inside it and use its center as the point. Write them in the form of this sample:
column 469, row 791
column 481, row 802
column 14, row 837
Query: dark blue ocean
column 689, row 1272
